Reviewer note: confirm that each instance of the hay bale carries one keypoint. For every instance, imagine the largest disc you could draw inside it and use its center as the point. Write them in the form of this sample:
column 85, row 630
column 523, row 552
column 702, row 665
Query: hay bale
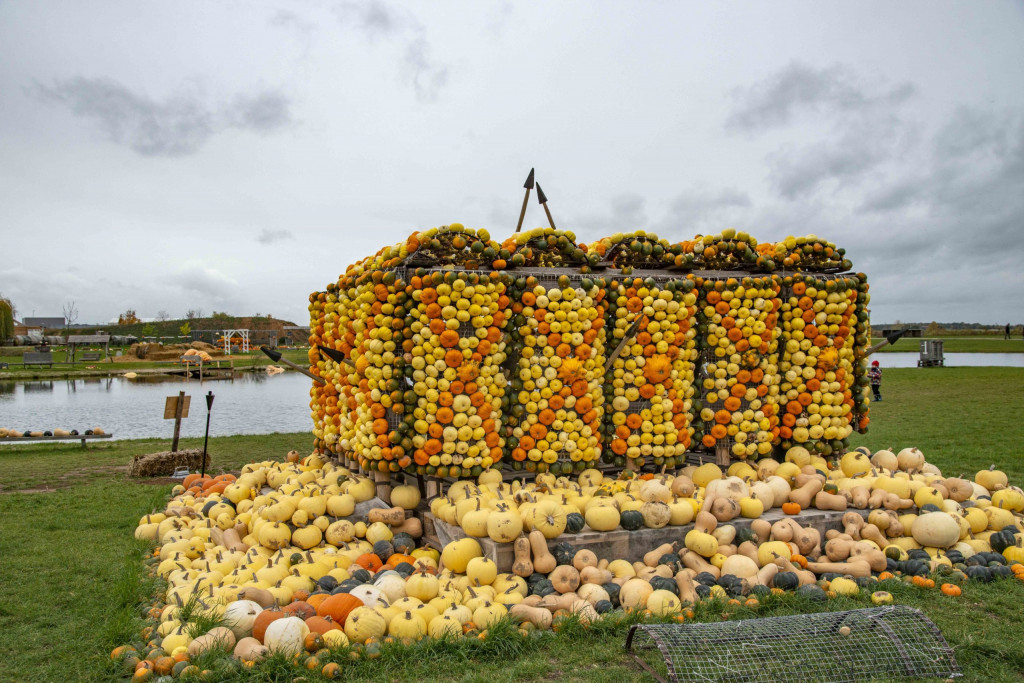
column 163, row 464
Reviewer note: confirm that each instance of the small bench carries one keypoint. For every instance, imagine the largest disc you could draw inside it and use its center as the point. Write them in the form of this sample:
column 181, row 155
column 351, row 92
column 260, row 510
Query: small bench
column 4, row 366
column 91, row 355
column 70, row 437
column 38, row 358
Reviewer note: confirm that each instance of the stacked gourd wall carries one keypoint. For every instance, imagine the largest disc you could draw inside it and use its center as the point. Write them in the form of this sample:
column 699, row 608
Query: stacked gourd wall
column 460, row 352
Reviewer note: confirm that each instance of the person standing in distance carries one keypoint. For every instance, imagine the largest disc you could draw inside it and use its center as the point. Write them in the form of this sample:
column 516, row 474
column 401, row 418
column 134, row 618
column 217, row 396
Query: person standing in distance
column 875, row 376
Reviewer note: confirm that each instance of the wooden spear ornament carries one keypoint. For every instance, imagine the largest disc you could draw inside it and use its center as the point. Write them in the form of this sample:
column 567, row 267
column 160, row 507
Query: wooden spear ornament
column 544, row 202
column 336, row 356
column 630, row 333
column 526, row 199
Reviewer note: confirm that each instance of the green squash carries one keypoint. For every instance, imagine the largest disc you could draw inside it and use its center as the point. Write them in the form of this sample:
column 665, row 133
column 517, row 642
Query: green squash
column 631, row 520
column 574, row 523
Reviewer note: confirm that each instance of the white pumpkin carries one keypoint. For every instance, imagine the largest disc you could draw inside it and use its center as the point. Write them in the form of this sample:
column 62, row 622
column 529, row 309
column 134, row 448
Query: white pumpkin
column 936, row 530
column 371, row 596
column 239, row 617
column 286, row 635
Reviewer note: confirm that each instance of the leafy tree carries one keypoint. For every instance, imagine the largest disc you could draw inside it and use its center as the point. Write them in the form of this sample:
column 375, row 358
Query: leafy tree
column 128, row 317
column 185, row 330
column 148, row 330
column 6, row 319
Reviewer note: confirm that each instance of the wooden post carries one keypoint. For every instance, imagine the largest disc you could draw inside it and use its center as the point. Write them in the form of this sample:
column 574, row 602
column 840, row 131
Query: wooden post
column 383, row 482
column 177, row 420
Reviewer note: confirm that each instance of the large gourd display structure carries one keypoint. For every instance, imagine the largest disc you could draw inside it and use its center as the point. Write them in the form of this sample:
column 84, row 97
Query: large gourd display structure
column 543, row 354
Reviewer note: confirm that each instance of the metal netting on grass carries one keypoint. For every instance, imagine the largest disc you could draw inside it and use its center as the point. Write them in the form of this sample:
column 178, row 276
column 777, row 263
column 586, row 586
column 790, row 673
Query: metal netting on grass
column 889, row 642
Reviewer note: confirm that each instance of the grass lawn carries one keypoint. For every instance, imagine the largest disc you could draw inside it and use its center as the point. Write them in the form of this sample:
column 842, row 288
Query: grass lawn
column 71, row 577
column 960, row 345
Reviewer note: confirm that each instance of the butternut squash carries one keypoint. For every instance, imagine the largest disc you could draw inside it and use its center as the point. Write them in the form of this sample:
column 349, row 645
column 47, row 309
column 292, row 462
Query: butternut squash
column 553, row 602
column 802, row 495
column 232, row 541
column 390, row 516
column 543, row 561
column 583, row 559
column 858, row 497
column 829, row 501
column 522, row 566
column 697, row 563
column 651, row 559
column 260, row 596
column 724, row 509
column 763, row 529
column 765, row 574
column 412, row 526
column 565, row 579
column 786, row 565
column 595, row 575
column 687, row 591
column 854, row 568
column 539, row 617
column 748, row 548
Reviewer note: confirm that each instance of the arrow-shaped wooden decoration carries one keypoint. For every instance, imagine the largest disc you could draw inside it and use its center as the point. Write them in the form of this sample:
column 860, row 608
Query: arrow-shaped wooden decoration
column 526, row 199
column 630, row 333
column 544, row 202
column 335, row 355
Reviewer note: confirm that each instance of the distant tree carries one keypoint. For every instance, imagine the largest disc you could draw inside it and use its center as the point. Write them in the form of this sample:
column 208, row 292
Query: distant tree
column 6, row 319
column 220, row 315
column 14, row 309
column 933, row 329
column 194, row 313
column 163, row 316
column 148, row 330
column 70, row 311
column 128, row 317
column 185, row 330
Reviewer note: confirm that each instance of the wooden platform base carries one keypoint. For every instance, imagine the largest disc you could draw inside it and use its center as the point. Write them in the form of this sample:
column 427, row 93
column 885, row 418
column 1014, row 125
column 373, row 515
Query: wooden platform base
column 621, row 544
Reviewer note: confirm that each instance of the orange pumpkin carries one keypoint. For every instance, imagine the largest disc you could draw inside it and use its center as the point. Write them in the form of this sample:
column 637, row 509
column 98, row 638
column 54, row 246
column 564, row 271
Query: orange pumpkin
column 337, row 607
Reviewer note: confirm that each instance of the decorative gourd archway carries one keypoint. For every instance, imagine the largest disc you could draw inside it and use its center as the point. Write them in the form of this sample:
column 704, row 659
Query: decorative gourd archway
column 228, row 334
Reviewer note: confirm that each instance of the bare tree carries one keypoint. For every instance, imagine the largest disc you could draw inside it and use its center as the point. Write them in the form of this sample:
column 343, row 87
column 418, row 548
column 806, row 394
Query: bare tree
column 163, row 316
column 70, row 311
column 194, row 313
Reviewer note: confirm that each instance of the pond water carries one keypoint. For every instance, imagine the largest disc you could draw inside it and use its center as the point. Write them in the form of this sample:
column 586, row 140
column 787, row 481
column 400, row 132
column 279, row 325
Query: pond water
column 251, row 403
column 908, row 359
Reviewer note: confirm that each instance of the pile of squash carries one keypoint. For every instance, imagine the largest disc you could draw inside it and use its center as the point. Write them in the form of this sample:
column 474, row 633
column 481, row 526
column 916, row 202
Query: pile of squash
column 278, row 558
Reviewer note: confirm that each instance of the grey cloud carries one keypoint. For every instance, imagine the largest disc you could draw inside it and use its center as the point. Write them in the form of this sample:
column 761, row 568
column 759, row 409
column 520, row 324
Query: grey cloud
column 798, row 88
column 268, row 236
column 377, row 20
column 624, row 213
column 427, row 78
column 373, row 17
column 176, row 126
column 214, row 286
column 702, row 211
column 287, row 19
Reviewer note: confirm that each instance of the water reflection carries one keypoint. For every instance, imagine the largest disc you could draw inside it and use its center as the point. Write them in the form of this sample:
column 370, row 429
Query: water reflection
column 250, row 403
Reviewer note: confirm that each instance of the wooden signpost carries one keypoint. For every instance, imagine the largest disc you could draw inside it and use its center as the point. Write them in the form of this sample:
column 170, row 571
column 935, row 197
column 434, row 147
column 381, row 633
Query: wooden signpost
column 175, row 408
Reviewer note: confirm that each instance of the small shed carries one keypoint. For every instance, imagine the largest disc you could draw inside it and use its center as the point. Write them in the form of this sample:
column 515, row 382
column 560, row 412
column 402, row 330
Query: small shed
column 76, row 340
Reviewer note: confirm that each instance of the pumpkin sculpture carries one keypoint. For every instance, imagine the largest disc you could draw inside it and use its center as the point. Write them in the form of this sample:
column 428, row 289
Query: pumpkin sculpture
column 558, row 329
column 740, row 363
column 650, row 389
column 820, row 400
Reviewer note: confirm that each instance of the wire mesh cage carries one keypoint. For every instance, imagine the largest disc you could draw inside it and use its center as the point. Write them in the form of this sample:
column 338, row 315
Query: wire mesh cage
column 891, row 642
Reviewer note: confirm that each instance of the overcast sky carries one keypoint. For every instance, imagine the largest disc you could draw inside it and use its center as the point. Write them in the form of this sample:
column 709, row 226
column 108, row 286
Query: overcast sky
column 235, row 156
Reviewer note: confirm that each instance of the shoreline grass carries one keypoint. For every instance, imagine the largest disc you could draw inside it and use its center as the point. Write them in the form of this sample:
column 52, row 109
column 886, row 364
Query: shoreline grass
column 958, row 345
column 72, row 580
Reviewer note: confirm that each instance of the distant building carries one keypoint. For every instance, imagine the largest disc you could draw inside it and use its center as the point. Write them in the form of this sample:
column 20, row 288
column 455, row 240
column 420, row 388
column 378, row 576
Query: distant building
column 45, row 323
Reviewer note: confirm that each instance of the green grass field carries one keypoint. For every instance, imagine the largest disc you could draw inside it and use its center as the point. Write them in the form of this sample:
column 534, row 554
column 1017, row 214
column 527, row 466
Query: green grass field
column 61, row 370
column 71, row 571
column 960, row 345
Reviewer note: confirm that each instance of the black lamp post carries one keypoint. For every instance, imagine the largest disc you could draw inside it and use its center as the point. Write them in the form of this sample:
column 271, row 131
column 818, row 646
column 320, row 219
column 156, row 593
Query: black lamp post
column 206, row 439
